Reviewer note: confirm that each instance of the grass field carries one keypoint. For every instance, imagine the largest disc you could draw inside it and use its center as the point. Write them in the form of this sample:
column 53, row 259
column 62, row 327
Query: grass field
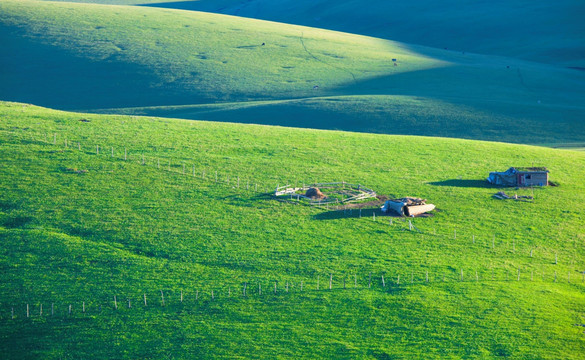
column 132, row 229
column 140, row 60
column 536, row 31
column 125, row 229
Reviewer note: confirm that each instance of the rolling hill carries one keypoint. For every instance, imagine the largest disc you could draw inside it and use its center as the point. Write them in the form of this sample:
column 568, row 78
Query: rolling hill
column 121, row 243
column 132, row 229
column 139, row 60
column 550, row 32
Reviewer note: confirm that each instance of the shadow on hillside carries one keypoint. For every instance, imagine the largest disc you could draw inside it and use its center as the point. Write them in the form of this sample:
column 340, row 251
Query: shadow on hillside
column 463, row 183
column 350, row 213
column 35, row 72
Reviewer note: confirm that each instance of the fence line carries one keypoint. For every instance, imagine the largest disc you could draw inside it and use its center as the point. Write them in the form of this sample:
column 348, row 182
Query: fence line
column 380, row 283
column 224, row 179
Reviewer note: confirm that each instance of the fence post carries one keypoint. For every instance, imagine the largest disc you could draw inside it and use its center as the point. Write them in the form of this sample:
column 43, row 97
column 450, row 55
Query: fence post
column 330, row 281
column 518, row 275
column 52, row 309
column 162, row 296
column 461, row 274
column 370, row 281
column 181, row 296
column 260, row 289
column 245, row 284
column 55, row 139
column 125, row 154
column 144, row 299
column 383, row 282
column 275, row 287
column 97, row 149
column 27, row 314
column 398, row 280
column 41, row 309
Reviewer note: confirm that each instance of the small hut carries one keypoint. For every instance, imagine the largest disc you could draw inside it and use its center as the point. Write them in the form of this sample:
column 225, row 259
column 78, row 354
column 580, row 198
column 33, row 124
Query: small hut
column 529, row 176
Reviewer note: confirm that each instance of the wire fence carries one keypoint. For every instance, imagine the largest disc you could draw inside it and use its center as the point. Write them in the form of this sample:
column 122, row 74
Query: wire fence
column 391, row 284
column 246, row 183
column 385, row 282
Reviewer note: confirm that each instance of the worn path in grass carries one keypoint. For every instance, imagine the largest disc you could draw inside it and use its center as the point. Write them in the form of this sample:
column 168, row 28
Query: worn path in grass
column 187, row 64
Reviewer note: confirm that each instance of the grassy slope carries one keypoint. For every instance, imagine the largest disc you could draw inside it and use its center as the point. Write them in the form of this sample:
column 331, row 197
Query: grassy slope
column 544, row 32
column 125, row 229
column 158, row 59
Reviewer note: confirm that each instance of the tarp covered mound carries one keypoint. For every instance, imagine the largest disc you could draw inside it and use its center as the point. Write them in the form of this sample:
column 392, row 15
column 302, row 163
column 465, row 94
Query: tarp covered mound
column 408, row 206
column 507, row 178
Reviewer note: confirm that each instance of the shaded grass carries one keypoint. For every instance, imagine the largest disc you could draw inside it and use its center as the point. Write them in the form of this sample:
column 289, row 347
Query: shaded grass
column 207, row 66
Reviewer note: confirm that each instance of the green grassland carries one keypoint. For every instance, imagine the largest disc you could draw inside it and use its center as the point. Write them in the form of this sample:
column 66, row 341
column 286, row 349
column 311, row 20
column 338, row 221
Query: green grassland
column 148, row 61
column 77, row 226
column 537, row 31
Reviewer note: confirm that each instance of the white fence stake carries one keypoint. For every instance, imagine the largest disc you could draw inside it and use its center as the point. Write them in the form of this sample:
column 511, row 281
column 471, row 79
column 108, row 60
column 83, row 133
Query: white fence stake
column 330, row 281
